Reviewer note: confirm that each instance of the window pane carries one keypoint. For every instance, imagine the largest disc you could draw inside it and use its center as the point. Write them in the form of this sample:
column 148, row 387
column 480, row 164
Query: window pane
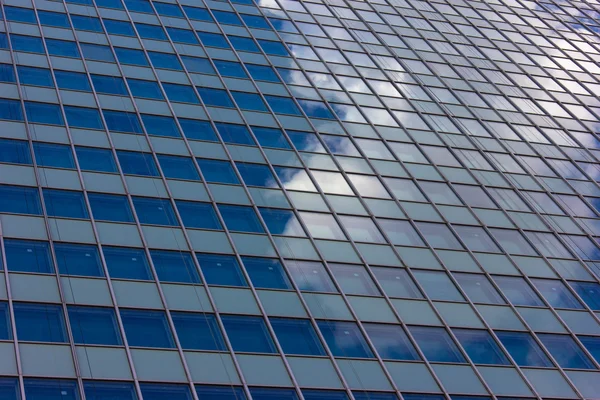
column 21, row 200
column 297, row 336
column 40, row 322
column 589, row 293
column 523, row 349
column 92, row 159
column 479, row 288
column 436, row 344
column 218, row 171
column 438, row 285
column 391, row 342
column 9, row 389
column 95, row 390
column 266, row 273
column 397, row 283
column 28, row 256
column 198, row 215
column 324, row 395
column 248, row 334
column 198, row 331
column 5, row 328
column 566, row 352
column 354, row 279
column 310, row 276
column 272, row 394
column 592, row 344
column 44, row 389
column 174, row 266
column 176, row 167
column 94, row 325
column 65, row 203
column 147, row 328
column 240, row 218
column 518, row 291
column 480, row 346
column 137, row 163
column 53, row 155
column 78, row 259
column 221, row 270
column 15, row 151
column 556, row 293
column 126, row 263
column 109, row 207
column 281, row 222
column 344, row 339
column 207, row 392
column 163, row 391
column 154, row 211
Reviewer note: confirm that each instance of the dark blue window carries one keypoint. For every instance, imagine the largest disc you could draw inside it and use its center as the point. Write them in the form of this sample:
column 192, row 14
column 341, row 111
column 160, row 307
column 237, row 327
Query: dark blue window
column 168, row 10
column 281, row 222
column 44, row 389
column 391, row 342
column 344, row 339
column 165, row 60
column 182, row 35
column 255, row 21
column 174, row 266
column 324, row 395
column 231, row 69
column 199, row 65
column 272, row 393
column 198, row 331
column 115, row 27
column 35, row 76
column 49, row 18
column 43, row 113
column 556, row 293
column 142, row 6
column 267, row 273
column 200, row 130
column 566, row 352
column 249, row 101
column 177, row 167
column 589, row 293
column 436, row 344
column 72, row 80
column 5, row 330
column 270, row 137
column 480, row 346
column 221, row 270
column 523, row 349
column 215, row 97
column 225, row 17
column 96, row 52
column 78, row 259
column 256, row 175
column 316, row 109
column 297, row 336
column 148, row 31
column 206, row 392
column 147, row 328
column 213, row 40
column 63, row 48
column 154, row 211
column 20, row 200
column 28, row 256
column 310, row 276
column 198, row 215
column 158, row 125
column 233, row 133
column 116, row 4
column 262, row 73
column 94, row 325
column 87, row 118
column 93, row 159
column 40, row 322
column 199, row 14
column 11, row 110
column 96, row 390
column 127, row 263
column 131, row 56
column 248, row 334
column 240, row 218
column 180, row 93
column 374, row 396
column 15, row 151
column 110, row 207
column 135, row 163
column 282, row 105
column 3, row 41
column 27, row 43
column 145, row 89
column 217, row 171
column 120, row 121
column 274, row 48
column 592, row 344
column 518, row 291
column 86, row 23
column 65, row 203
column 7, row 73
column 9, row 389
column 163, row 391
column 243, row 44
column 109, row 84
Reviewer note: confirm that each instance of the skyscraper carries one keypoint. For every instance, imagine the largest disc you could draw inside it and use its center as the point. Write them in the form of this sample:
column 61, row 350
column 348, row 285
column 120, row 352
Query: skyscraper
column 316, row 199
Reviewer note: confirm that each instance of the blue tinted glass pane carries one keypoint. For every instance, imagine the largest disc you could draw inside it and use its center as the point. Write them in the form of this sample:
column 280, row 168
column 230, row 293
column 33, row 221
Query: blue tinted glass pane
column 215, row 97
column 274, row 48
column 53, row 155
column 283, row 105
column 49, row 18
column 63, row 48
column 248, row 334
column 35, row 76
column 198, row 215
column 217, row 171
column 518, row 291
column 137, row 163
column 438, row 285
column 238, row 134
column 147, row 328
column 40, row 322
column 310, row 276
column 316, row 109
column 115, row 27
column 589, row 293
column 436, row 344
column 11, row 110
column 269, row 137
column 95, row 390
column 96, row 52
column 72, row 80
column 397, row 283
column 109, row 4
column 556, row 293
column 324, row 395
column 199, row 65
column 5, row 330
column 200, row 14
column 200, row 130
column 243, row 44
column 240, row 218
column 256, row 175
column 94, row 325
column 249, row 101
column 180, row 93
column 27, row 43
column 345, row 339
column 122, row 121
column 93, row 159
column 281, row 222
column 273, row 394
column 373, row 396
column 43, row 113
column 164, row 60
column 65, row 203
column 481, row 347
column 28, row 256
column 592, row 344
column 147, row 89
column 160, row 126
column 86, row 23
column 479, row 289
column 154, row 211
column 127, row 263
column 166, row 392
column 9, row 389
column 213, row 40
column 147, row 31
column 7, row 73
column 79, row 117
column 3, row 41
column 266, row 273
column 231, row 69
column 297, row 336
column 45, row 389
column 262, row 73
column 255, row 21
column 198, row 331
column 566, row 352
column 182, row 35
column 354, row 279
column 178, row 167
column 22, row 200
column 109, row 207
column 221, row 270
column 143, row 6
column 130, row 56
column 523, row 349
column 207, row 392
column 168, row 10
column 78, row 259
column 109, row 84
column 14, row 151
column 391, row 342
column 174, row 266
column 225, row 17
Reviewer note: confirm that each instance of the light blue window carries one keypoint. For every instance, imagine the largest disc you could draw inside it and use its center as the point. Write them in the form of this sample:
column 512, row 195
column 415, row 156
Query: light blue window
column 98, row 390
column 340, row 145
column 243, row 44
column 215, row 97
column 200, row 130
column 199, row 65
column 15, row 152
column 96, row 52
column 592, row 344
column 148, row 31
column 45, row 389
column 5, row 328
column 556, row 293
column 266, row 273
column 43, row 113
column 177, row 167
column 281, row 222
column 131, row 56
column 344, row 339
column 293, row 76
column 35, row 76
column 163, row 391
column 391, row 342
column 565, row 351
column 199, row 14
column 63, row 48
column 165, row 60
column 180, row 93
column 256, row 175
column 249, row 101
column 93, row 159
column 589, row 293
column 127, row 263
column 481, row 347
column 9, row 389
column 28, row 256
column 283, row 25
column 354, row 279
column 49, row 18
column 135, row 163
column 233, row 133
column 65, row 203
column 518, row 291
column 115, row 27
column 218, row 171
column 110, row 207
column 20, row 200
column 221, row 270
column 78, row 259
column 476, row 238
column 213, row 40
column 27, row 43
column 197, row 331
column 225, row 17
column 310, row 276
column 158, row 125
column 255, row 21
column 273, row 48
column 315, row 109
column 478, row 288
column 230, row 69
column 198, row 215
column 154, row 211
column 109, row 85
column 523, row 349
column 7, row 73
column 282, row 105
column 72, row 81
column 324, row 395
column 174, row 266
column 273, row 393
column 145, row 89
column 297, row 336
column 439, row 236
column 182, row 35
column 262, row 73
column 94, row 325
column 87, row 118
column 40, row 322
column 437, row 285
column 11, row 110
column 119, row 121
column 270, row 137
column 436, row 344
column 396, row 282
column 147, row 328
column 248, row 334
column 206, row 392
column 142, row 6
column 240, row 218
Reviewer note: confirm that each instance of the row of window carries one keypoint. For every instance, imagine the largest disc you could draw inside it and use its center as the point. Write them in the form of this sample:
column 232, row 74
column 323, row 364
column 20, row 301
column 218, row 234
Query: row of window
column 98, row 326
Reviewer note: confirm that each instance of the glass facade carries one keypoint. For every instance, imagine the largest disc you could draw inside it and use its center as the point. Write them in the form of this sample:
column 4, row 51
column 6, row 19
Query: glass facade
column 304, row 200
